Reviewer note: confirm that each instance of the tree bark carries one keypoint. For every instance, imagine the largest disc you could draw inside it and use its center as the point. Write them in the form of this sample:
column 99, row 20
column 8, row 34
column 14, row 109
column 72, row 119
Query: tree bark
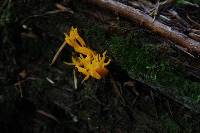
column 147, row 21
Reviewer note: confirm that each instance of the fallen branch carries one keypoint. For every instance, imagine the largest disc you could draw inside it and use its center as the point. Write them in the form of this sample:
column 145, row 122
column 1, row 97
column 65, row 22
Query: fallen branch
column 142, row 19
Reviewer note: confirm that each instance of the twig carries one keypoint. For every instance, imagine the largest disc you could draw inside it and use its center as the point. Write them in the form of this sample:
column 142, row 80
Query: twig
column 58, row 52
column 75, row 80
column 45, row 14
column 197, row 25
column 194, row 36
column 142, row 19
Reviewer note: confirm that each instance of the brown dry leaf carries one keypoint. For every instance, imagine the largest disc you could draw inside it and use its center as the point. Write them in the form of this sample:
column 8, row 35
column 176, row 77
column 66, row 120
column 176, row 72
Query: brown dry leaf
column 63, row 8
column 60, row 7
column 23, row 74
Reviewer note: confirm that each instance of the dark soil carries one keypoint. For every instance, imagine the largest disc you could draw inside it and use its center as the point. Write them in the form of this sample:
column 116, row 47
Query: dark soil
column 38, row 98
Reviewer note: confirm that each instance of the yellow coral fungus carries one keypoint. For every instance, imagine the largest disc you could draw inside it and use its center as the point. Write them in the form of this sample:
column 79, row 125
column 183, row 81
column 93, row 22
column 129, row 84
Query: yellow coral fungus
column 75, row 41
column 93, row 66
column 89, row 62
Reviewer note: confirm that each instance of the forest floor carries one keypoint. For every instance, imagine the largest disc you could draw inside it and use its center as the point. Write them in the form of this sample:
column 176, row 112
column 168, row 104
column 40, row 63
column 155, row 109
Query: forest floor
column 149, row 88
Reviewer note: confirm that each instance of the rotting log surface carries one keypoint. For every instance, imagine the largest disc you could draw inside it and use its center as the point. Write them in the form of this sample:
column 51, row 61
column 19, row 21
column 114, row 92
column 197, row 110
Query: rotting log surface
column 147, row 21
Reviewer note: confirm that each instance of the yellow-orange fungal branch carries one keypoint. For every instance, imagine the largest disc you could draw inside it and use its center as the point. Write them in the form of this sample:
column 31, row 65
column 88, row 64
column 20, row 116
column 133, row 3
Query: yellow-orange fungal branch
column 89, row 63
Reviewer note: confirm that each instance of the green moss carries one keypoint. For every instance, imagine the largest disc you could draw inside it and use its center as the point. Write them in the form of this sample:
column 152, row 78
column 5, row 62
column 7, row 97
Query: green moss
column 145, row 59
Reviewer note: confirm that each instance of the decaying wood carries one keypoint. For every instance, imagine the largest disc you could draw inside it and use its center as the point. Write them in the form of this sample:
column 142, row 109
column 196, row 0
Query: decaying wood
column 147, row 21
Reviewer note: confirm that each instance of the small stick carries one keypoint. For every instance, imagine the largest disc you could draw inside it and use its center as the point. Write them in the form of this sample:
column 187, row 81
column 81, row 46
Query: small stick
column 58, row 52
